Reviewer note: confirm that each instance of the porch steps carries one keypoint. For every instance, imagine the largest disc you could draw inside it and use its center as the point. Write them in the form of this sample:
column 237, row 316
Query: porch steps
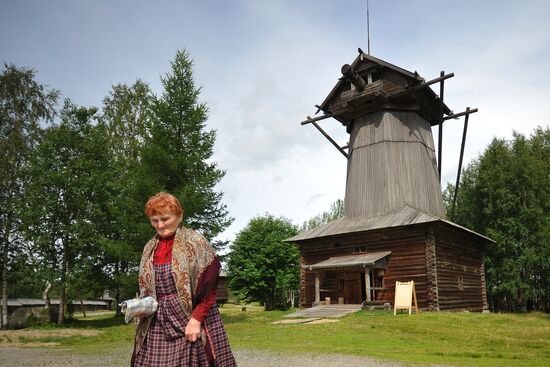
column 377, row 305
column 321, row 311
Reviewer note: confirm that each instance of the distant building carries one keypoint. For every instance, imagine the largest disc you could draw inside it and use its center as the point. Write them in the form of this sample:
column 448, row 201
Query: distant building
column 222, row 291
column 23, row 312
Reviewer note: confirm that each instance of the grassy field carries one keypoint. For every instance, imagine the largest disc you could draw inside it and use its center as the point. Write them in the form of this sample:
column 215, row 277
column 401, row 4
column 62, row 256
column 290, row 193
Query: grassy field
column 465, row 339
column 461, row 339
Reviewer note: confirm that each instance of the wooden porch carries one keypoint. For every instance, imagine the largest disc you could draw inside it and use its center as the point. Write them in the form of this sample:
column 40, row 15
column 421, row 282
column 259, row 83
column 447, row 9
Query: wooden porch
column 351, row 279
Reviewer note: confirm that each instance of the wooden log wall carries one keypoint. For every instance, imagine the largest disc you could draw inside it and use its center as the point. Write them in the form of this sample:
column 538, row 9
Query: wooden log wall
column 444, row 262
column 460, row 271
column 432, row 296
column 407, row 261
column 484, row 287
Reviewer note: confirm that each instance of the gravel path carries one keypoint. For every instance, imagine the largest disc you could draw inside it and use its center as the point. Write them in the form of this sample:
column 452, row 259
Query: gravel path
column 40, row 357
column 268, row 359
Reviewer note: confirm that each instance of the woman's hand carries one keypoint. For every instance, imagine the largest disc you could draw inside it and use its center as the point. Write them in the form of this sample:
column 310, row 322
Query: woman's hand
column 193, row 330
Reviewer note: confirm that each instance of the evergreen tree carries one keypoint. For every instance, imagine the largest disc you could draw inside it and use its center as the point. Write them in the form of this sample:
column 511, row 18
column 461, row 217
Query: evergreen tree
column 504, row 195
column 261, row 266
column 24, row 105
column 177, row 155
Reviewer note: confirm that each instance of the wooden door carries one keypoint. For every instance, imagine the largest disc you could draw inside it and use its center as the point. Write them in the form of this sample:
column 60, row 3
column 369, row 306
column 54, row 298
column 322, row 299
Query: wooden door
column 349, row 287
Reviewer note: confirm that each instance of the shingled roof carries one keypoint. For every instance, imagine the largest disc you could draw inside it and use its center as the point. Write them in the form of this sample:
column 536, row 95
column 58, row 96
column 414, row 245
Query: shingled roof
column 396, row 88
column 404, row 216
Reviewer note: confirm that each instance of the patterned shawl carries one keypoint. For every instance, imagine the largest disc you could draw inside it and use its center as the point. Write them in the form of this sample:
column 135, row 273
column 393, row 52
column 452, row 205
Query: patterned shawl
column 195, row 268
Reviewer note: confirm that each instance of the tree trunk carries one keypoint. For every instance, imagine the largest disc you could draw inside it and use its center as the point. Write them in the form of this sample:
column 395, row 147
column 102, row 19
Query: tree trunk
column 45, row 295
column 82, row 306
column 62, row 300
column 117, row 289
column 5, row 253
column 268, row 302
column 63, row 297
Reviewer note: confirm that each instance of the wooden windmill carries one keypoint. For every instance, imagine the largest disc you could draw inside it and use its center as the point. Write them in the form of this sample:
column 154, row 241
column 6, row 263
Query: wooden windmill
column 394, row 227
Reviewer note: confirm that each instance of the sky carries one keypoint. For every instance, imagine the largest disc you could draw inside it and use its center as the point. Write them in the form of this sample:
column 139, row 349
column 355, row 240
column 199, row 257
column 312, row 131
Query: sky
column 262, row 65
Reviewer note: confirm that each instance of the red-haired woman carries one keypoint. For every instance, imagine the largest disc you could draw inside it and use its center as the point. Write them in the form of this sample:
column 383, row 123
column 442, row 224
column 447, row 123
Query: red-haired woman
column 180, row 269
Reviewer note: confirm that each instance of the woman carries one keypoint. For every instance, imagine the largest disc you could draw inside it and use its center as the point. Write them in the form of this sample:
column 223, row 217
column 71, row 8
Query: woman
column 180, row 269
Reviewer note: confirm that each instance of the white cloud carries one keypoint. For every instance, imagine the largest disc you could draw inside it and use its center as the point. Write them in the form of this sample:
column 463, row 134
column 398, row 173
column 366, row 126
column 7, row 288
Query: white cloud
column 264, row 64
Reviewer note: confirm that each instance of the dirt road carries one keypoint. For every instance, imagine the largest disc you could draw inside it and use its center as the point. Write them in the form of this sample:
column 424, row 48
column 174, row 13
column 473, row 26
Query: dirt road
column 41, row 357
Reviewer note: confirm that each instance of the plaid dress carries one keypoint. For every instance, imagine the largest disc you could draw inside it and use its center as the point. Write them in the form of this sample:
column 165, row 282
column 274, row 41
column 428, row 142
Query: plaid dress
column 160, row 338
column 165, row 344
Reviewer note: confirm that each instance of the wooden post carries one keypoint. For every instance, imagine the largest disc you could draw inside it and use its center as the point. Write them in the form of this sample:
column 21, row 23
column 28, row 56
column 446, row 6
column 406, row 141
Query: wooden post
column 317, row 288
column 415, row 301
column 373, row 277
column 367, row 284
column 460, row 161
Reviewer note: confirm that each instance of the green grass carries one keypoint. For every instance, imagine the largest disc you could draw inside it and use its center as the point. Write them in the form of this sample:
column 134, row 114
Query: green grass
column 112, row 333
column 461, row 339
column 115, row 333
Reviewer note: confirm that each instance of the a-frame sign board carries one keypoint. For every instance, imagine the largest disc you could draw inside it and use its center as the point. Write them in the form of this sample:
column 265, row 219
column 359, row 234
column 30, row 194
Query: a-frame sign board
column 405, row 294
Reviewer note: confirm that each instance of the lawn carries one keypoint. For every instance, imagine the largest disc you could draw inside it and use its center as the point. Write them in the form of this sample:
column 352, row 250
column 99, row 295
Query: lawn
column 461, row 339
column 464, row 339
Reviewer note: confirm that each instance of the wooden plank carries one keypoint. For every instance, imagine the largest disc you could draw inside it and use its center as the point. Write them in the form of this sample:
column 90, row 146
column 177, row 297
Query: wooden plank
column 391, row 164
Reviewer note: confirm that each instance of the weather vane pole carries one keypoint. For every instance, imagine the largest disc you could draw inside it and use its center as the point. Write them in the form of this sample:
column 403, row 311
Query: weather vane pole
column 368, row 29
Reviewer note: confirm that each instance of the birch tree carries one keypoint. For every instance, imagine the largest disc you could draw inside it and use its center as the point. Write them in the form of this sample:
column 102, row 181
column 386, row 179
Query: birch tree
column 25, row 104
column 69, row 170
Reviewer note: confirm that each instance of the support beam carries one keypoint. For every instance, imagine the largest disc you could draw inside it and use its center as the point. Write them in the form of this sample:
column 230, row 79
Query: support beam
column 329, row 138
column 367, row 284
column 460, row 161
column 440, row 133
column 433, row 81
column 317, row 288
column 457, row 115
column 309, row 120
